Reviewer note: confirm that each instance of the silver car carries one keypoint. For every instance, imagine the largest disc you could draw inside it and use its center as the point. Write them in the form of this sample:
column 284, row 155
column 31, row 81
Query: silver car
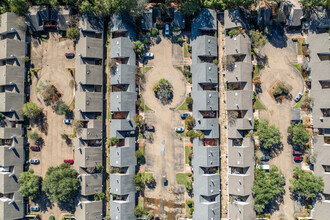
column 34, row 161
column 179, row 130
column 298, row 97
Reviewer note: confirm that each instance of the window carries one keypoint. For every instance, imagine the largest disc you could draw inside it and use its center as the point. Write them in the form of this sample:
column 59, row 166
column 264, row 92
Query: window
column 326, row 168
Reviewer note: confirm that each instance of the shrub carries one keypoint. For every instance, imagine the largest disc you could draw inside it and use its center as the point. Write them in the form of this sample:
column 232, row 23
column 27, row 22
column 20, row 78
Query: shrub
column 2, row 116
column 114, row 141
column 63, row 109
column 140, row 157
column 190, row 122
column 215, row 61
column 99, row 196
column 99, row 168
column 64, row 136
column 72, row 33
column 154, row 31
column 163, row 91
column 33, row 136
column 51, row 218
column 281, row 89
column 234, row 32
column 26, row 59
column 179, row 40
column 31, row 110
column 189, row 203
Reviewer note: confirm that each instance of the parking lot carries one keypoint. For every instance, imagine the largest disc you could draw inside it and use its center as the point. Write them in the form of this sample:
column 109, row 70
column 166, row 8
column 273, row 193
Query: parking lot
column 165, row 156
column 49, row 56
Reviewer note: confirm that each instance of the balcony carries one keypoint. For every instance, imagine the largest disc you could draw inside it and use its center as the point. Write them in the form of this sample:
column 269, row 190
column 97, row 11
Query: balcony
column 209, row 142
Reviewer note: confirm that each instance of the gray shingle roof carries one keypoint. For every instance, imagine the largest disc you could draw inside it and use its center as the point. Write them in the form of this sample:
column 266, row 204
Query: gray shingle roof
column 11, row 101
column 322, row 152
column 61, row 14
column 204, row 101
column 235, row 18
column 87, row 210
column 88, row 74
column 15, row 210
column 90, row 47
column 122, row 47
column 36, row 16
column 9, row 24
column 123, row 101
column 123, row 156
column 240, row 184
column 146, row 21
column 178, row 20
column 123, row 209
column 87, row 156
column 123, row 74
column 122, row 184
column 123, row 24
column 210, row 127
column 89, row 101
column 205, row 156
column 264, row 16
column 295, row 17
column 204, row 46
column 91, row 22
column 318, row 44
column 118, row 126
column 241, row 72
column 241, row 210
column 206, row 210
column 319, row 18
column 204, row 73
column 239, row 100
column 238, row 45
column 206, row 19
column 91, row 184
column 241, row 156
column 12, row 49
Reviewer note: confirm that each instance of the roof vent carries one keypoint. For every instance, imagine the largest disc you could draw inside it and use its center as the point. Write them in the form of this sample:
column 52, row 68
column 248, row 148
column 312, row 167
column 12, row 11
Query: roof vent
column 238, row 162
column 234, row 38
column 238, row 190
column 87, row 103
column 210, row 68
column 117, row 42
column 235, row 65
column 237, row 106
column 321, row 119
column 87, row 72
column 210, row 95
column 209, row 40
column 236, row 94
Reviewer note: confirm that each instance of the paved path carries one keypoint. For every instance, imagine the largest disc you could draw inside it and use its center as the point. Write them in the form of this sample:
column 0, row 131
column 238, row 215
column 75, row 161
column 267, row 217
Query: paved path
column 165, row 156
column 279, row 68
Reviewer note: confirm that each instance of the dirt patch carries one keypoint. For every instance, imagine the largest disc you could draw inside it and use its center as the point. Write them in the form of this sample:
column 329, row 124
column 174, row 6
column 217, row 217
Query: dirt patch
column 49, row 57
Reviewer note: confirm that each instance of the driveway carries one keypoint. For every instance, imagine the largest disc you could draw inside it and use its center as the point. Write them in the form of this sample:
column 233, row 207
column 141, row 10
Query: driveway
column 165, row 156
column 49, row 57
column 279, row 114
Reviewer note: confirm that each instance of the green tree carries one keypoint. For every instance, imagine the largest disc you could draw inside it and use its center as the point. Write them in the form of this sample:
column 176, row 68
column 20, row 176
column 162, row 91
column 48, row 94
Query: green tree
column 154, row 31
column 2, row 116
column 149, row 180
column 298, row 134
column 188, row 185
column 33, row 135
column 140, row 157
column 61, row 184
column 138, row 46
column 305, row 184
column 29, row 184
column 269, row 135
column 258, row 39
column 51, row 218
column 18, row 6
column 164, row 91
column 72, row 33
column 190, row 122
column 31, row 110
column 189, row 7
column 139, row 212
column 114, row 141
column 267, row 186
column 99, row 168
column 189, row 203
column 189, row 102
column 313, row 3
column 63, row 109
column 64, row 136
column 99, row 196
column 215, row 4
column 139, row 182
column 139, row 121
column 85, row 6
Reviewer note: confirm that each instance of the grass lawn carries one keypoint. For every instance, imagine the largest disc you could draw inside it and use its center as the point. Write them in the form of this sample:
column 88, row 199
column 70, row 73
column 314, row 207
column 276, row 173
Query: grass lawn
column 297, row 66
column 300, row 103
column 144, row 107
column 146, row 69
column 181, row 178
column 184, row 106
column 257, row 69
column 258, row 105
column 299, row 48
column 187, row 150
column 141, row 148
column 147, row 174
column 185, row 50
column 141, row 200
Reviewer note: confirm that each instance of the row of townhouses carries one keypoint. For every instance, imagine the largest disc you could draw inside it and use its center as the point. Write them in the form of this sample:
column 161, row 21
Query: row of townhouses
column 205, row 83
column 12, row 98
column 123, row 98
column 319, row 45
column 240, row 121
column 89, row 101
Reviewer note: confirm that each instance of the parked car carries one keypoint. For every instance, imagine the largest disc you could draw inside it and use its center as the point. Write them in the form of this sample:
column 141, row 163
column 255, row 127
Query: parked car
column 298, row 97
column 167, row 29
column 148, row 55
column 184, row 115
column 67, row 121
column 68, row 161
column 265, row 158
column 69, row 55
column 179, row 130
column 150, row 128
column 298, row 158
column 34, row 161
column 264, row 167
column 34, row 208
column 296, row 152
column 35, row 148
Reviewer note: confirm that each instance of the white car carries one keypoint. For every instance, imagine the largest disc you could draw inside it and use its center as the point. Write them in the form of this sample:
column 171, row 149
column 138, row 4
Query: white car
column 67, row 121
column 148, row 55
column 34, row 161
column 179, row 130
column 167, row 29
column 298, row 97
column 34, row 208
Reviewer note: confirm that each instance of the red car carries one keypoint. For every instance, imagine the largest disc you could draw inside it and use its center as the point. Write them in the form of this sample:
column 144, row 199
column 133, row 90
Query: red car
column 296, row 152
column 68, row 161
column 35, row 147
column 298, row 158
column 69, row 55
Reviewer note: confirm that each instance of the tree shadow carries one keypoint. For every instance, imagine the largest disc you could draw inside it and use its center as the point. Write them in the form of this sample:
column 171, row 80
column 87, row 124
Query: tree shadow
column 274, row 205
column 43, row 201
column 277, row 37
column 273, row 151
column 67, row 206
column 41, row 123
column 40, row 142
column 68, row 141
